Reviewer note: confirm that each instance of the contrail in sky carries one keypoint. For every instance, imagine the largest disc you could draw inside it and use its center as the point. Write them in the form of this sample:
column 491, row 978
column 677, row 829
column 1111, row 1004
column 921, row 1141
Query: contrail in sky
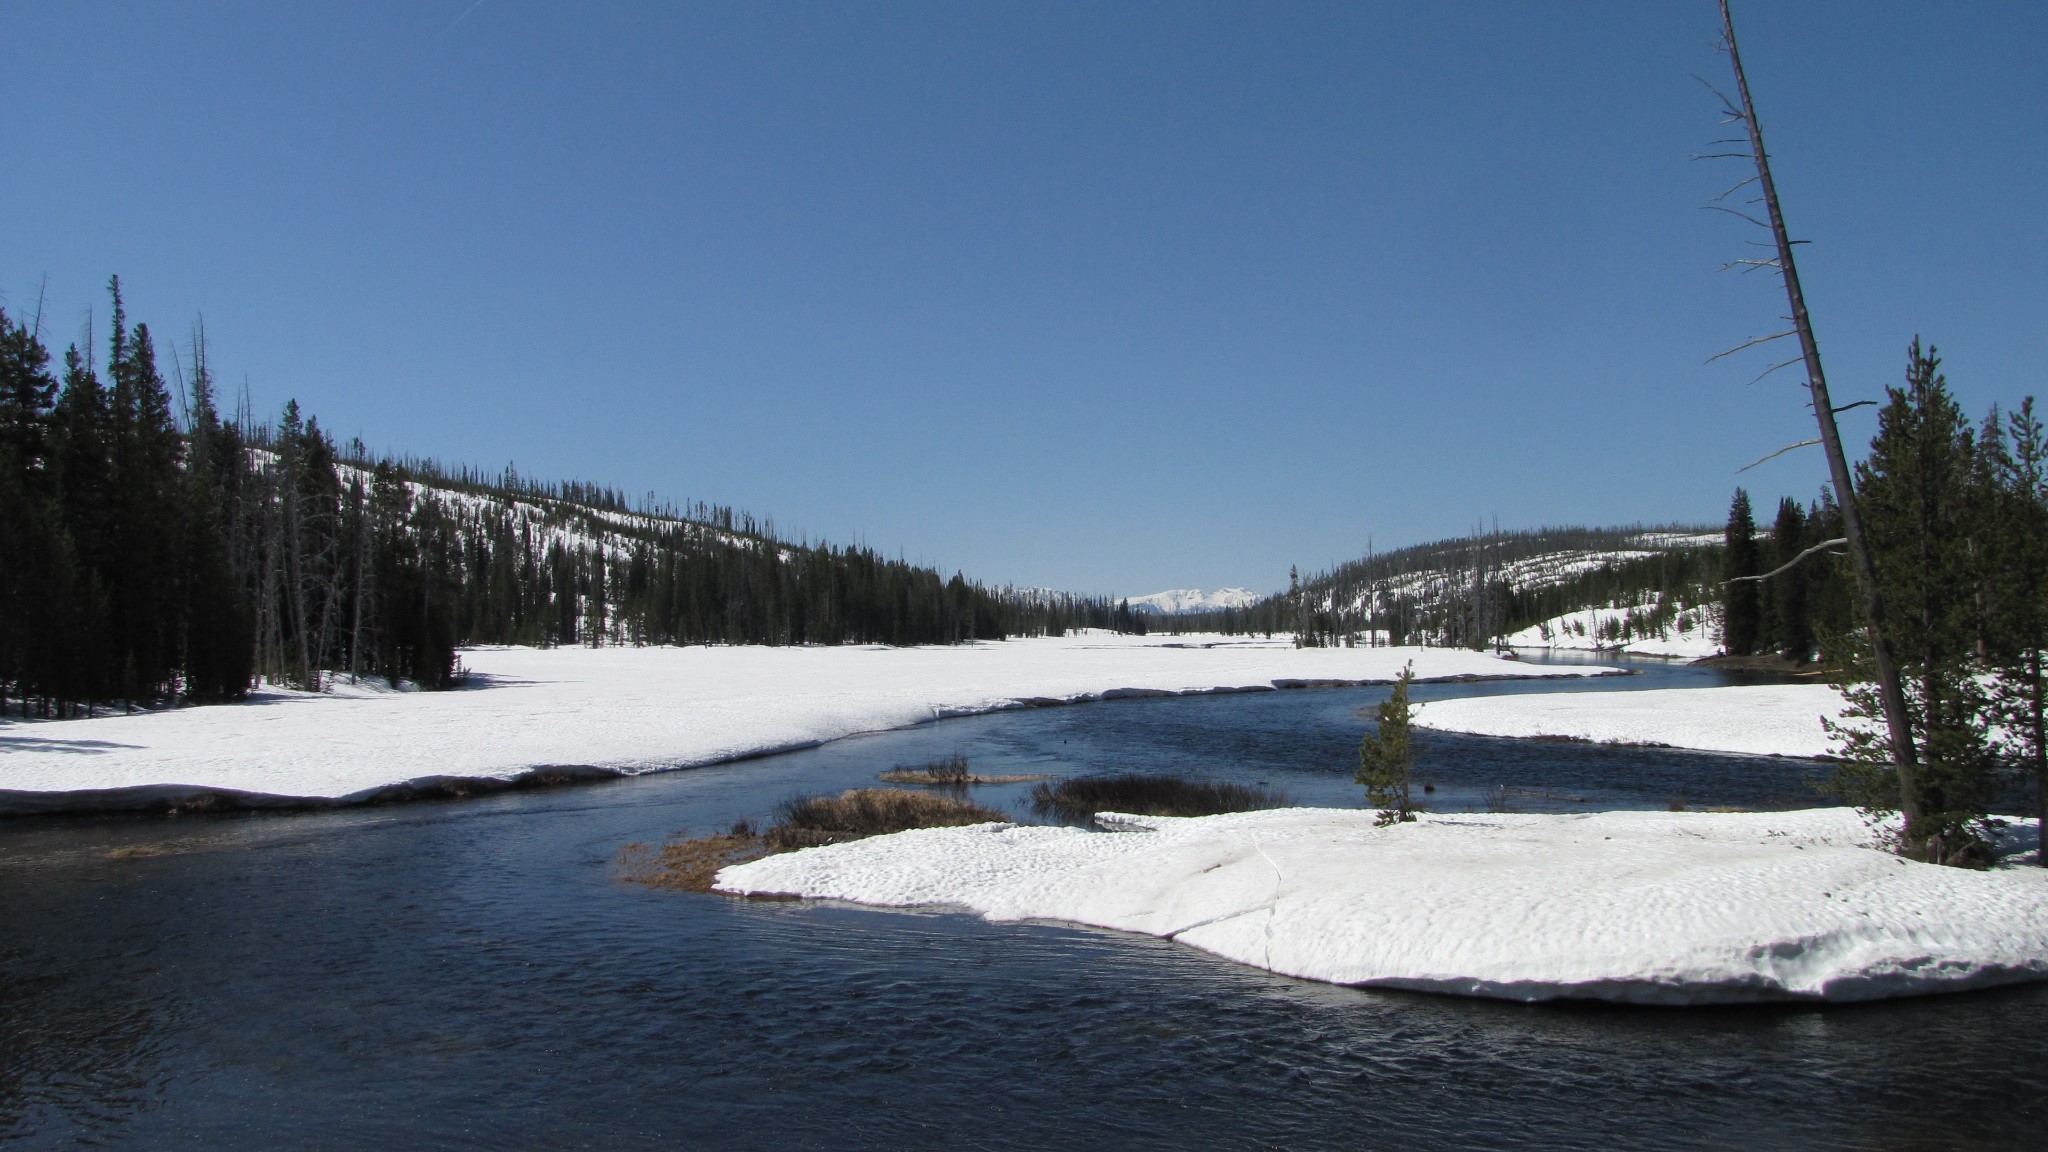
column 465, row 14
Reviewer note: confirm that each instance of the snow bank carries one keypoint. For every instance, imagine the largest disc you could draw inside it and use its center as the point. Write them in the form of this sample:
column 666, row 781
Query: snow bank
column 1762, row 720
column 1644, row 907
column 581, row 711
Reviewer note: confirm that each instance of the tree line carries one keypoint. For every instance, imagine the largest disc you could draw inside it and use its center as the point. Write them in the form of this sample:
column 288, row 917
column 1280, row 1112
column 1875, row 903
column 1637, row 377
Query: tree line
column 153, row 551
column 1955, row 518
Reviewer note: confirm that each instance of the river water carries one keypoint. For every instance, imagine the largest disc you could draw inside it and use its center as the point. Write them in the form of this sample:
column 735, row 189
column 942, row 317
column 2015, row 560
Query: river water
column 472, row 974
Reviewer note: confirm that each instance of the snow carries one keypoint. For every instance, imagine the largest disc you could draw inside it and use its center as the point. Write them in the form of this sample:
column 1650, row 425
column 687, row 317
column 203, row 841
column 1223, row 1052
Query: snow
column 1689, row 635
column 1179, row 600
column 631, row 710
column 1667, row 541
column 1661, row 908
column 1760, row 719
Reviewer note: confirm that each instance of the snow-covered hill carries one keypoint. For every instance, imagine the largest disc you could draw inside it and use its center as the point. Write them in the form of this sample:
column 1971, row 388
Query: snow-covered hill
column 1642, row 589
column 1178, row 600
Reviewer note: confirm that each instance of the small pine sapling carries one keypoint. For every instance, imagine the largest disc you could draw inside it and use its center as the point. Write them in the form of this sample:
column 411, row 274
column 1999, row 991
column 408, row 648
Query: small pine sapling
column 1386, row 758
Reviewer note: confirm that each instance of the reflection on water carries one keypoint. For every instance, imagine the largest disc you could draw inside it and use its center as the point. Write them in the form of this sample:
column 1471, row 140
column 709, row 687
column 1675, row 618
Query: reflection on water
column 470, row 975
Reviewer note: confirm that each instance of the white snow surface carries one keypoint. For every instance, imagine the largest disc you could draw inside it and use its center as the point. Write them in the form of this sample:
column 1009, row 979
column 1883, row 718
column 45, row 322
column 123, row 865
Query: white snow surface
column 632, row 710
column 1644, row 907
column 1179, row 600
column 1759, row 720
column 1691, row 635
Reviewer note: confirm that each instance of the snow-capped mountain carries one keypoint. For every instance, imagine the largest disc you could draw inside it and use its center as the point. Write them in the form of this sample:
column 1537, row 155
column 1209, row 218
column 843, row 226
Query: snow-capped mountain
column 1178, row 600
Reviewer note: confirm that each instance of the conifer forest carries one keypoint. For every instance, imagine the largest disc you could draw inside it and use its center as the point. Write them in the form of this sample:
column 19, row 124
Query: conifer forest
column 154, row 549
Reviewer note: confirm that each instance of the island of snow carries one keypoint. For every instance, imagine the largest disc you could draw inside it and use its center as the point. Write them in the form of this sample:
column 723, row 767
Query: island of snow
column 547, row 713
column 1758, row 720
column 1642, row 907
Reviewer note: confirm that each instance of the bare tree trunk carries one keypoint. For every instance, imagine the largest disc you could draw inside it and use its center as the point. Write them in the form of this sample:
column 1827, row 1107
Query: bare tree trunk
column 1904, row 757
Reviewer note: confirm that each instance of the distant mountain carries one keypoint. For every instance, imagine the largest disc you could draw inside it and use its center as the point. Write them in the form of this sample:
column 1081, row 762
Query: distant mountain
column 1180, row 600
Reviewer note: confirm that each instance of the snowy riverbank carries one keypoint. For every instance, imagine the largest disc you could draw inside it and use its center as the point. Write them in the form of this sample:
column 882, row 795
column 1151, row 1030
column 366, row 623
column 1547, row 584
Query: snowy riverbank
column 1758, row 720
column 1642, row 907
column 581, row 711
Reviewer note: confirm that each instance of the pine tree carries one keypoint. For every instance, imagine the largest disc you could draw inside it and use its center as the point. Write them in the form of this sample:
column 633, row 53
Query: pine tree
column 2020, row 650
column 1741, row 610
column 1792, row 625
column 81, row 433
column 145, row 453
column 1386, row 757
column 30, row 524
column 1916, row 491
column 219, row 627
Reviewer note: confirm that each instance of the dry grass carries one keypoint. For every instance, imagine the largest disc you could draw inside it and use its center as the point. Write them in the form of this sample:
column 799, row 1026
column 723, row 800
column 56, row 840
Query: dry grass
column 1080, row 798
column 857, row 812
column 689, row 865
column 950, row 772
column 802, row 822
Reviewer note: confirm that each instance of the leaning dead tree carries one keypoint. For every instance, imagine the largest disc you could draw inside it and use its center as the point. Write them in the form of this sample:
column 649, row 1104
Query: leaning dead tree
column 1890, row 692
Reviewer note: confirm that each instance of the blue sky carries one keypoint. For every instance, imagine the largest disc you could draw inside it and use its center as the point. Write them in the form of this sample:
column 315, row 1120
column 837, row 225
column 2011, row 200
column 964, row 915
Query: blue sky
column 1110, row 297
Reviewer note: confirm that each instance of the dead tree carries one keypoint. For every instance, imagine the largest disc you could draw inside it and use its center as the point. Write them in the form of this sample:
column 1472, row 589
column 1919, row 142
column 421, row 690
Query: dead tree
column 1890, row 692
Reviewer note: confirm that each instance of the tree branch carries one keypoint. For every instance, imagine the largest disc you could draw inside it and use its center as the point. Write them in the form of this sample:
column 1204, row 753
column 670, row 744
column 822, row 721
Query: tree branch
column 1733, row 212
column 1752, row 344
column 1778, row 453
column 1820, row 547
column 1775, row 367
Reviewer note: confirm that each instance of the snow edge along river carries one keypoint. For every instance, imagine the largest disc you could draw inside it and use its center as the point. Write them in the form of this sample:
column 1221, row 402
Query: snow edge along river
column 1749, row 720
column 1671, row 908
column 536, row 717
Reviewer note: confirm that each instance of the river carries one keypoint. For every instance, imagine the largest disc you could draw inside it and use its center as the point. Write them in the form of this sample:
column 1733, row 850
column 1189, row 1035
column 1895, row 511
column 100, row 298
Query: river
column 471, row 974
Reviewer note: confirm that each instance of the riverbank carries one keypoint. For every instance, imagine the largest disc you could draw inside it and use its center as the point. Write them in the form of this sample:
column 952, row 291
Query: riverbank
column 1754, row 720
column 533, row 717
column 1636, row 907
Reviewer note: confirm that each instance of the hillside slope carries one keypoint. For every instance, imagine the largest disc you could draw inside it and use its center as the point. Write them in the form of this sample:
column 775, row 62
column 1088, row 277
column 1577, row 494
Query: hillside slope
column 1650, row 590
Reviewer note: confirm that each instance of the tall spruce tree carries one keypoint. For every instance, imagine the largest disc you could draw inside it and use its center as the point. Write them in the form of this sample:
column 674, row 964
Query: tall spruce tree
column 1917, row 497
column 219, row 634
column 1741, row 608
column 1791, row 622
column 30, row 521
column 2020, row 648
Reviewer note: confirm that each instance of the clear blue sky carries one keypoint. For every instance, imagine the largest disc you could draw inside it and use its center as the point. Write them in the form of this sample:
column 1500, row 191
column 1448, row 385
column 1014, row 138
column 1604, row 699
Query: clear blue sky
column 1111, row 297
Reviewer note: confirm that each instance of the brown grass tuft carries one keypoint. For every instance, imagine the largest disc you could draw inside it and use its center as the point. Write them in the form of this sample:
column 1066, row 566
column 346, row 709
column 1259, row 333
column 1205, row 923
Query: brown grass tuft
column 689, row 865
column 861, row 812
column 802, row 822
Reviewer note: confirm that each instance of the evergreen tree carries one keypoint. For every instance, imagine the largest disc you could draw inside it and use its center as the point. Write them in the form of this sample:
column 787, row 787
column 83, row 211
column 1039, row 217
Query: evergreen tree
column 1792, row 625
column 1830, row 591
column 219, row 633
column 1386, row 757
column 31, row 543
column 2020, row 654
column 144, row 569
column 1741, row 609
column 1916, row 493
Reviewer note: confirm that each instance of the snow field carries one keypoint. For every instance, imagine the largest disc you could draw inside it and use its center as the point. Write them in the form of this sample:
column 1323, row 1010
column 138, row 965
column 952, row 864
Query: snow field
column 632, row 710
column 1639, row 907
column 1759, row 720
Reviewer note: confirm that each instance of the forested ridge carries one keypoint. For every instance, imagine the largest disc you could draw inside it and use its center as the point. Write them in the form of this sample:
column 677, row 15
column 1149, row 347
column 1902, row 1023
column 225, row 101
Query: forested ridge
column 1475, row 591
column 154, row 550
